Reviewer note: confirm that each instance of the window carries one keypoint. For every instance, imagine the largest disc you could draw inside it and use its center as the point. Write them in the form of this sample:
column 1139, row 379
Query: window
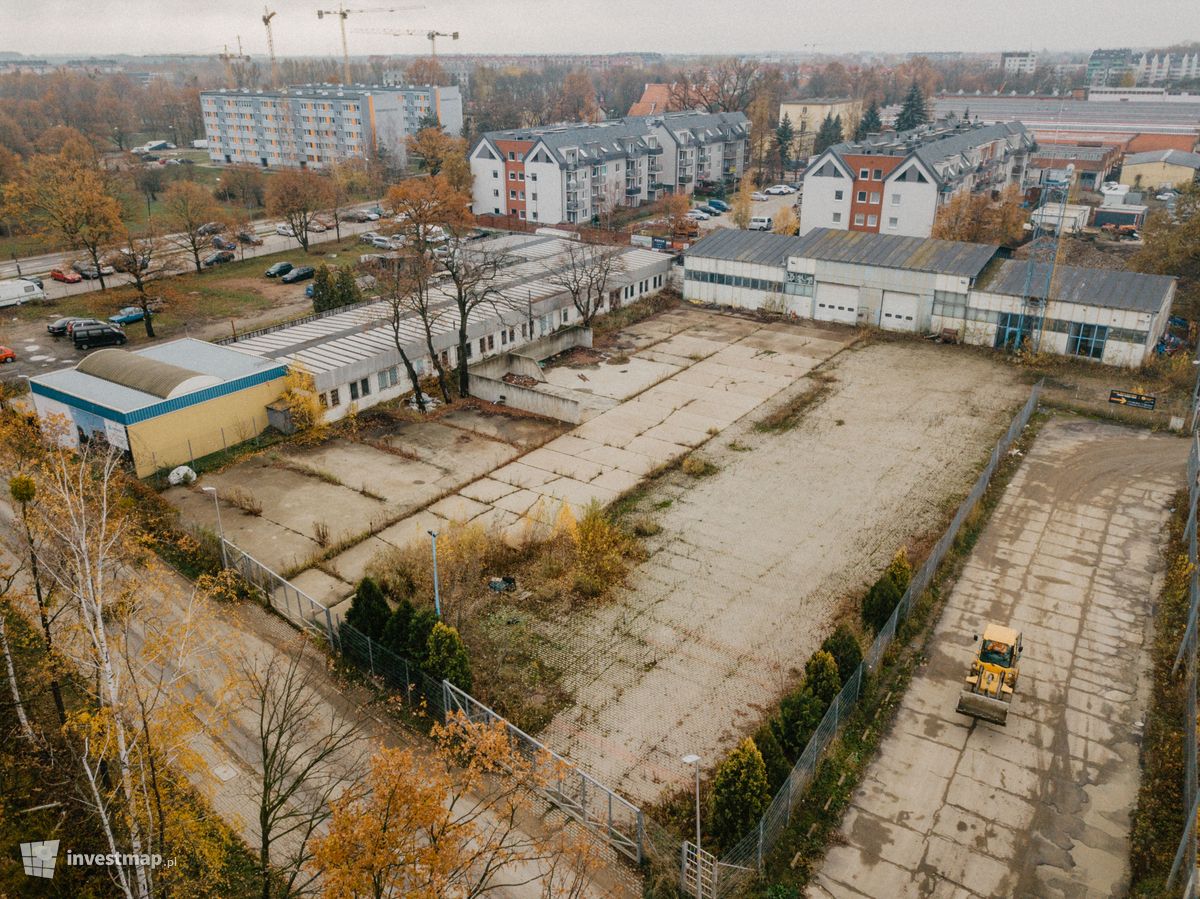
column 874, row 198
column 1087, row 340
column 533, row 176
column 522, row 195
column 495, row 173
column 838, row 194
column 512, row 194
column 837, row 217
column 353, row 391
column 512, row 335
column 862, row 196
column 565, row 314
column 895, row 199
column 534, row 216
column 383, row 382
column 365, row 386
column 324, row 401
column 495, row 192
column 512, row 176
column 858, row 219
column 521, row 213
column 872, row 221
column 533, row 196
column 393, row 376
column 893, row 222
column 482, row 345
column 512, row 155
column 491, row 339
column 877, row 175
column 864, row 174
column 496, row 210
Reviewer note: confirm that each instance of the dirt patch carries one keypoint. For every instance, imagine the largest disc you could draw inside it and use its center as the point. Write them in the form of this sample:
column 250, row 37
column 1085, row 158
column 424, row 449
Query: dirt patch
column 520, row 380
column 753, row 563
column 576, row 357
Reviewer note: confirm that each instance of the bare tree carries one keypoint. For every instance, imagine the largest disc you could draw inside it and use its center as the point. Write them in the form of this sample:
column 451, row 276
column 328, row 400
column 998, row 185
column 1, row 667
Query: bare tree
column 728, row 86
column 141, row 257
column 471, row 275
column 396, row 288
column 8, row 577
column 308, row 756
column 188, row 209
column 584, row 274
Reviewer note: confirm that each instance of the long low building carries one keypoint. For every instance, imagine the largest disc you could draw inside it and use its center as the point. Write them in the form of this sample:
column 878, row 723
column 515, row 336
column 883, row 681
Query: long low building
column 352, row 355
column 165, row 405
column 924, row 285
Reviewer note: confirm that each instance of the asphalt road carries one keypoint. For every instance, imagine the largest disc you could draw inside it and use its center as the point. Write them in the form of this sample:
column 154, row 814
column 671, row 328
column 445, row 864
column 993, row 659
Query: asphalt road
column 953, row 806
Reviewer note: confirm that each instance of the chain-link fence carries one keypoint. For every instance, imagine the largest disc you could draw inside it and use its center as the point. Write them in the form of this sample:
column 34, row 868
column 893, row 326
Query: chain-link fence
column 727, row 875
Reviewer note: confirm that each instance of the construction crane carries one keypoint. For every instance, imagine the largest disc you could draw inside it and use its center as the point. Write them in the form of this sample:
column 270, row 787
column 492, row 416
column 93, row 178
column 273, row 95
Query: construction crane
column 432, row 36
column 342, row 14
column 226, row 57
column 268, row 15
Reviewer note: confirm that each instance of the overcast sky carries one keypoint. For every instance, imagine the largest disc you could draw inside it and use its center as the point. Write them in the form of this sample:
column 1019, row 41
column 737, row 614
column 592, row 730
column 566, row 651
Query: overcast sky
column 563, row 26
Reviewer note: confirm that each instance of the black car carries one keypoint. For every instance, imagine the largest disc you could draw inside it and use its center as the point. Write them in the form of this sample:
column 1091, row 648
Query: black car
column 219, row 258
column 298, row 274
column 279, row 269
column 210, row 228
column 99, row 334
column 250, row 238
column 59, row 328
column 220, row 243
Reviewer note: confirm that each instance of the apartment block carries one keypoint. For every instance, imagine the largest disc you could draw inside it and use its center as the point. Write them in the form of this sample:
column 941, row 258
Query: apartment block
column 574, row 172
column 1018, row 62
column 315, row 126
column 895, row 182
column 807, row 114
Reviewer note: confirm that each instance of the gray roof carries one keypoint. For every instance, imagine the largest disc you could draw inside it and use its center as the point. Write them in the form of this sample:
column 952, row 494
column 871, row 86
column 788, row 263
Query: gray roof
column 1107, row 288
column 921, row 254
column 137, row 372
column 1051, row 114
column 1170, row 157
column 1070, row 152
column 955, row 144
column 759, row 247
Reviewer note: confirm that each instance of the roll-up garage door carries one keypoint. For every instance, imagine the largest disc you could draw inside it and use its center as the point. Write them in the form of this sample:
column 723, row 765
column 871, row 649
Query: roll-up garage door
column 899, row 311
column 837, row 303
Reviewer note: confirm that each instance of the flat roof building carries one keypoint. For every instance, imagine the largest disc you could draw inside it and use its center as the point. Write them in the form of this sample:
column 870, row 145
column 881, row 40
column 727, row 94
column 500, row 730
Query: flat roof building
column 1161, row 168
column 165, row 405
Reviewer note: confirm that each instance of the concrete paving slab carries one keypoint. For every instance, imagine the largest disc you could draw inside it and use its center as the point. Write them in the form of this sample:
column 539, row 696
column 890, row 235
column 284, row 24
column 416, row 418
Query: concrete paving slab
column 458, row 508
column 487, row 490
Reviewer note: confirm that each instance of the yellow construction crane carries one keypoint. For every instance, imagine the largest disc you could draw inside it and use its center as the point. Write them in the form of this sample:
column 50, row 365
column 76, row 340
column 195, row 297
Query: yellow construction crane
column 342, row 13
column 432, row 36
column 226, row 57
column 268, row 15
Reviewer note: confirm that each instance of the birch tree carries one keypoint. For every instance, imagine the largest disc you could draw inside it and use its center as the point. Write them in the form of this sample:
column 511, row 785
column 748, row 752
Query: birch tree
column 584, row 274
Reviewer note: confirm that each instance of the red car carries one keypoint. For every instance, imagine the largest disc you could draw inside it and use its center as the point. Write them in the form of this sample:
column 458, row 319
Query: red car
column 66, row 275
column 7, row 355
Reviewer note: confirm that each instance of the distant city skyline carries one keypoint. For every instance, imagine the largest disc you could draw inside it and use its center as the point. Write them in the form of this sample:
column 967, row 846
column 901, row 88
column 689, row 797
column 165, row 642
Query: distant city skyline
column 142, row 27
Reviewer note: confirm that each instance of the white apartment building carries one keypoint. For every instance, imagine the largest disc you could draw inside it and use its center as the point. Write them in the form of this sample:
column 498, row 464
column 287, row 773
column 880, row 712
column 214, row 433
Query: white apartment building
column 314, row 126
column 571, row 173
column 1156, row 68
column 1019, row 62
column 894, row 183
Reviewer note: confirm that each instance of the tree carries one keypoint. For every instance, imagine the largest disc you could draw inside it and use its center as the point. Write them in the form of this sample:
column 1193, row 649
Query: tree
column 843, row 646
column 799, row 714
column 913, row 111
column 583, row 273
column 785, row 135
column 829, row 134
column 140, row 257
column 419, row 628
column 577, row 98
column 66, row 196
column 742, row 207
column 880, row 602
column 186, row 209
column 869, row 123
column 297, row 197
column 443, row 154
column 426, row 70
column 446, row 657
column 244, row 183
column 345, row 287
column 676, row 208
column 395, row 632
column 369, row 610
column 976, row 218
column 786, row 221
column 406, row 292
column 739, row 793
column 303, row 746
column 1172, row 247
column 762, row 136
column 8, row 578
column 729, row 86
column 821, row 676
column 774, row 760
column 471, row 277
column 322, row 289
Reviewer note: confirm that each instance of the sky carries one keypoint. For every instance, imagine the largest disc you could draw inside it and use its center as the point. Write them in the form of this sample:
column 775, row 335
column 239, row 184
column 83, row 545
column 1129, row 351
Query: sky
column 96, row 27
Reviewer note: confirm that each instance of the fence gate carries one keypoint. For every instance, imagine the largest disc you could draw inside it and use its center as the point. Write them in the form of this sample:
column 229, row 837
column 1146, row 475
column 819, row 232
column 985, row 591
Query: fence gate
column 698, row 871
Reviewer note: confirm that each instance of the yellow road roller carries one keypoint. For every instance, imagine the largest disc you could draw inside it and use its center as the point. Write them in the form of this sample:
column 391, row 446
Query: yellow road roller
column 993, row 676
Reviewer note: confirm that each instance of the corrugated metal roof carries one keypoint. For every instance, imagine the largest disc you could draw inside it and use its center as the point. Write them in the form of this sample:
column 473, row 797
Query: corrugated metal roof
column 1087, row 286
column 151, row 376
column 1170, row 157
column 759, row 247
column 922, row 254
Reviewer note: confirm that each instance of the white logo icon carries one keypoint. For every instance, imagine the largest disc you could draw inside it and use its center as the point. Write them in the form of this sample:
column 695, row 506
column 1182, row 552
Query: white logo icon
column 39, row 858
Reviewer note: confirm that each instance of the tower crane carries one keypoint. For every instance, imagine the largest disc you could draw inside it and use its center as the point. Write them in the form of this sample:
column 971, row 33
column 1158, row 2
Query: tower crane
column 342, row 14
column 268, row 15
column 432, row 36
column 226, row 57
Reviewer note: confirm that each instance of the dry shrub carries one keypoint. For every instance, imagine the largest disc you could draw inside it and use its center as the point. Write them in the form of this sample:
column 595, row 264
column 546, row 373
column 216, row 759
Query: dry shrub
column 646, row 527
column 698, row 467
column 244, row 500
column 321, row 533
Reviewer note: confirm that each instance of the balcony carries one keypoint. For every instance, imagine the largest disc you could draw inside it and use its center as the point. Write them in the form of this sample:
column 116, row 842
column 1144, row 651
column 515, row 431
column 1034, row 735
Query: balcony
column 684, row 178
column 632, row 191
column 654, row 151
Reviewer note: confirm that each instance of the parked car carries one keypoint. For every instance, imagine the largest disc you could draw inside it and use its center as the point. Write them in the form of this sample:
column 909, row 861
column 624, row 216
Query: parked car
column 59, row 328
column 316, row 226
column 220, row 243
column 89, row 271
column 1166, row 195
column 124, row 261
column 761, row 223
column 98, row 334
column 219, row 258
column 369, row 236
column 279, row 269
column 127, row 316
column 285, row 231
column 81, row 323
column 66, row 275
column 7, row 355
column 710, row 211
column 210, row 228
column 250, row 239
column 759, row 196
column 371, row 214
column 780, row 189
column 698, row 215
column 149, row 157
column 382, row 243
column 298, row 274
column 719, row 205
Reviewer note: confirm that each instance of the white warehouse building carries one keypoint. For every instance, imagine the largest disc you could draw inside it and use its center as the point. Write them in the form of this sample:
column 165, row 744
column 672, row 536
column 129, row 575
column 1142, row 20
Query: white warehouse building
column 923, row 285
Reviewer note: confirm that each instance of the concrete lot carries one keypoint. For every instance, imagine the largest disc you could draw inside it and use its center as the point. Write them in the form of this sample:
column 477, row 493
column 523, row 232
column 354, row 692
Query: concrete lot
column 956, row 807
column 754, row 562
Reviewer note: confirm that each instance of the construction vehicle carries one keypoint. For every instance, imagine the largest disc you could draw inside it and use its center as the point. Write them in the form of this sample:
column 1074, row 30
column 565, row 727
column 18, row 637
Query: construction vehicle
column 992, row 679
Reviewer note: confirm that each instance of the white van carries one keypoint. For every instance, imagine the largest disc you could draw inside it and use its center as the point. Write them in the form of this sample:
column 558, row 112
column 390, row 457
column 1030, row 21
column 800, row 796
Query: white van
column 762, row 223
column 18, row 291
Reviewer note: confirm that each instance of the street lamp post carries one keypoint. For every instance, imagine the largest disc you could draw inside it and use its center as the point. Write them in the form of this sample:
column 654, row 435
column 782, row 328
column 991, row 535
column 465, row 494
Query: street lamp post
column 437, row 599
column 694, row 761
column 220, row 527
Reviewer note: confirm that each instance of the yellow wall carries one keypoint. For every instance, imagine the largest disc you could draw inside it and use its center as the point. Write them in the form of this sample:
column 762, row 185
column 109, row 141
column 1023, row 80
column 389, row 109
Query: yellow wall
column 807, row 116
column 162, row 442
column 1156, row 175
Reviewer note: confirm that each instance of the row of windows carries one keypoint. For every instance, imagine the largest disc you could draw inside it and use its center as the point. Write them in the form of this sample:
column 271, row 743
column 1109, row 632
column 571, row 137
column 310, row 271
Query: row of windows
column 876, row 175
column 734, row 281
column 1057, row 325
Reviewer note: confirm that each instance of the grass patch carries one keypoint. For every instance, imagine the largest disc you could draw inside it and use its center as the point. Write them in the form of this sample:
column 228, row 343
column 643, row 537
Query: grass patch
column 608, row 324
column 739, row 447
column 1158, row 817
column 698, row 467
column 791, row 413
column 646, row 527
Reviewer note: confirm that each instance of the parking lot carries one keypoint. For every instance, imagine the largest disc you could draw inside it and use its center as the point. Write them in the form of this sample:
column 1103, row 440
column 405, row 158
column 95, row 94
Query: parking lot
column 771, row 206
column 953, row 806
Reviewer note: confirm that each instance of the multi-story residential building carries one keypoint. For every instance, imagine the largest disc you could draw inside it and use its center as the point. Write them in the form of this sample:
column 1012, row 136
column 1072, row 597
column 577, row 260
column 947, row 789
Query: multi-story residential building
column 894, row 183
column 572, row 173
column 1018, row 62
column 315, row 126
column 1158, row 68
column 1106, row 66
column 807, row 114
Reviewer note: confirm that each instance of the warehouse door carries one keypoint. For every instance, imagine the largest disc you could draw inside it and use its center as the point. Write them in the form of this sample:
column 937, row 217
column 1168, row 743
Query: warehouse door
column 837, row 303
column 899, row 311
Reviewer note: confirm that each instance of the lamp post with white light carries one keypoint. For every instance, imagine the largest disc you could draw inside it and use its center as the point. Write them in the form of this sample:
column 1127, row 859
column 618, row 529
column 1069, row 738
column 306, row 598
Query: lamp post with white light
column 694, row 761
column 220, row 527
column 437, row 600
